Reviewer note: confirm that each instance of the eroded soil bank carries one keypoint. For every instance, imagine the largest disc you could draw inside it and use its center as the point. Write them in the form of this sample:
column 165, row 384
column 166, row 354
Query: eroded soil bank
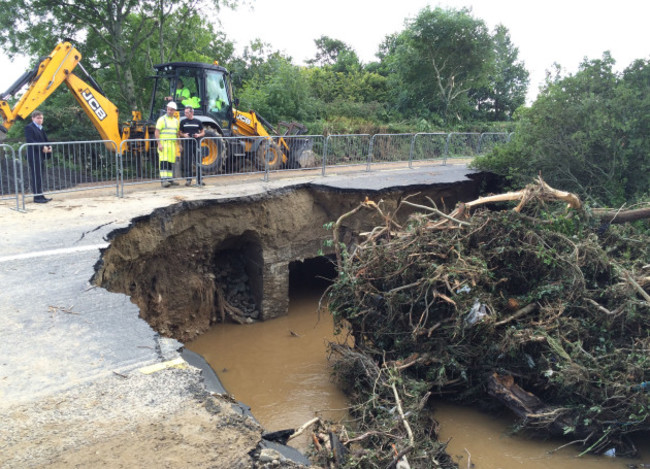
column 194, row 264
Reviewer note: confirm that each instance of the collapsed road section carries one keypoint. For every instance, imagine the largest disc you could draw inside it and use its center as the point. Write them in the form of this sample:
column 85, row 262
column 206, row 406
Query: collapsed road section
column 196, row 263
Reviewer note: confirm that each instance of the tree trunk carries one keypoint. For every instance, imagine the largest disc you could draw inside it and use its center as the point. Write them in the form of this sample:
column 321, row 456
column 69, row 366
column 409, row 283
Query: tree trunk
column 607, row 215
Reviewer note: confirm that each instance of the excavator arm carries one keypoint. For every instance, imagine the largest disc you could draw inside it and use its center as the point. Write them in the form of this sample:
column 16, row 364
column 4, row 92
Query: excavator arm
column 103, row 114
column 48, row 75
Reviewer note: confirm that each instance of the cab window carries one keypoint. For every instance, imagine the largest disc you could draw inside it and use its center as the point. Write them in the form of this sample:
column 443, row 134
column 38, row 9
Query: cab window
column 217, row 95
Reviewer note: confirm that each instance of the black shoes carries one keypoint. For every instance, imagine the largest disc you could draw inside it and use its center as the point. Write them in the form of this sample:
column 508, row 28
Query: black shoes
column 41, row 200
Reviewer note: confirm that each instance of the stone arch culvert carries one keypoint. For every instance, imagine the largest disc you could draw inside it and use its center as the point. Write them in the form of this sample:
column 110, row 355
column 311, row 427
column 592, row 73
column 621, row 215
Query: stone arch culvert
column 197, row 263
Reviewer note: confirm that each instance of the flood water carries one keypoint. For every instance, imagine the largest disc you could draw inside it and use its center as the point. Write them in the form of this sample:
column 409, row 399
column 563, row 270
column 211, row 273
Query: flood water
column 279, row 368
column 285, row 379
column 490, row 445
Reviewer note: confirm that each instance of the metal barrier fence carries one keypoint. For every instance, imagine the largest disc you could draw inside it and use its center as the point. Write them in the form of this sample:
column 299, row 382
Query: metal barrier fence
column 9, row 182
column 139, row 161
column 429, row 147
column 388, row 148
column 78, row 166
column 346, row 150
column 69, row 167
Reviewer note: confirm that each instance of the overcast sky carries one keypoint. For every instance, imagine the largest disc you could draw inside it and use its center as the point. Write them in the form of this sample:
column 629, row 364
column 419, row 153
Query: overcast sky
column 545, row 32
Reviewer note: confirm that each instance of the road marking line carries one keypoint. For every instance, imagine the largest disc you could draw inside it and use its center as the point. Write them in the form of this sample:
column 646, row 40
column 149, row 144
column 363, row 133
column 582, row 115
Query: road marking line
column 175, row 363
column 52, row 252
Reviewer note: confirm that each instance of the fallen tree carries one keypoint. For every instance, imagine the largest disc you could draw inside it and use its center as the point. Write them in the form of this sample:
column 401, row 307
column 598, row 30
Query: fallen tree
column 526, row 307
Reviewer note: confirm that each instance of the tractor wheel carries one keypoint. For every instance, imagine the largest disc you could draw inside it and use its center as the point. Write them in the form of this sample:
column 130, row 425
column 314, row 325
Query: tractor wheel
column 213, row 151
column 271, row 152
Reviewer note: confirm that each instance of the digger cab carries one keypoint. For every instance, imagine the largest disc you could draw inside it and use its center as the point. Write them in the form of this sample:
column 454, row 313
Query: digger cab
column 205, row 87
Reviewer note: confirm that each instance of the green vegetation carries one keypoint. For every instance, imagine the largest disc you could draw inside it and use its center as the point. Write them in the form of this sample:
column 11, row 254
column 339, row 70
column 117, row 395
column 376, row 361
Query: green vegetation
column 407, row 89
column 586, row 133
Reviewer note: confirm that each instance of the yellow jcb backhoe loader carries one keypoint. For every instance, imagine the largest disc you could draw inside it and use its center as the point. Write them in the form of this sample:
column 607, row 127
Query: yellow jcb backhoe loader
column 206, row 87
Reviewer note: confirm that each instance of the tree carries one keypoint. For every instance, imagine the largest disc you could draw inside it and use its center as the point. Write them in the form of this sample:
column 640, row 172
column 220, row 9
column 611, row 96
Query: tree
column 111, row 33
column 508, row 80
column 586, row 133
column 335, row 54
column 437, row 60
column 328, row 51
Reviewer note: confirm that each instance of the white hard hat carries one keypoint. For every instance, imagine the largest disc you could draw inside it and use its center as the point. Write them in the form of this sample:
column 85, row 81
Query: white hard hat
column 172, row 105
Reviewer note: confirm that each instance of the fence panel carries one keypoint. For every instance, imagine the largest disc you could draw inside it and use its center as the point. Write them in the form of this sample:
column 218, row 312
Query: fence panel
column 346, row 150
column 390, row 148
column 140, row 163
column 429, row 147
column 71, row 166
column 223, row 156
column 463, row 145
column 11, row 186
column 489, row 140
column 301, row 151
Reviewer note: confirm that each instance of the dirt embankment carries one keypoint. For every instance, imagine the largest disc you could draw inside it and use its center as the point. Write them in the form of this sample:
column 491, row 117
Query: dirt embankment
column 178, row 263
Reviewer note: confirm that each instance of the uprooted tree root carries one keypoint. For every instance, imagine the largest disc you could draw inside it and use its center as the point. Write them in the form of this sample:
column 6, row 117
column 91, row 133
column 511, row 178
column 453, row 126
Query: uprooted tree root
column 529, row 308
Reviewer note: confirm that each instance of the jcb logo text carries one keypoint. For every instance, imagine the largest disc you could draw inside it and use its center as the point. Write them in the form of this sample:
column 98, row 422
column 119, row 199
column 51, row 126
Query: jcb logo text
column 94, row 105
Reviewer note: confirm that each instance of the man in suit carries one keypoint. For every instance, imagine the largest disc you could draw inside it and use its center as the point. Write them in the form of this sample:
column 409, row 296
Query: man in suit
column 36, row 155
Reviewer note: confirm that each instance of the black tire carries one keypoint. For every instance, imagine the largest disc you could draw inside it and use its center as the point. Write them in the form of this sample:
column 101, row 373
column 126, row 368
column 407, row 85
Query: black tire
column 213, row 151
column 270, row 150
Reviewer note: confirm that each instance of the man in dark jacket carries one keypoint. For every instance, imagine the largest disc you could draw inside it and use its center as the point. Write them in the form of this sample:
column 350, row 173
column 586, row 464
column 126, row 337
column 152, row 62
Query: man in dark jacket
column 36, row 155
column 191, row 128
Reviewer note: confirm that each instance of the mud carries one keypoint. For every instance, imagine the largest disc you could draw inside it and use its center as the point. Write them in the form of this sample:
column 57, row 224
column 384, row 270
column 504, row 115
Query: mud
column 171, row 262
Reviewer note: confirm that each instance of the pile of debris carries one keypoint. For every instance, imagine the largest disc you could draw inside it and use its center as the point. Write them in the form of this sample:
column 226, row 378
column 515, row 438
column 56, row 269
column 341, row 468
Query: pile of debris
column 544, row 309
column 235, row 296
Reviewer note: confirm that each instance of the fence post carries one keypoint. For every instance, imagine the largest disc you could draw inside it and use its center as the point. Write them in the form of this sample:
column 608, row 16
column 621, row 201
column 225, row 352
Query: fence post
column 119, row 163
column 22, row 172
column 14, row 164
column 412, row 150
column 372, row 142
column 325, row 153
column 267, row 156
column 444, row 159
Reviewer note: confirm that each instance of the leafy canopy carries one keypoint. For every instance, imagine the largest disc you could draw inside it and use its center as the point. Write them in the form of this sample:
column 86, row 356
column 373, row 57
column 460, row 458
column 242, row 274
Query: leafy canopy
column 586, row 133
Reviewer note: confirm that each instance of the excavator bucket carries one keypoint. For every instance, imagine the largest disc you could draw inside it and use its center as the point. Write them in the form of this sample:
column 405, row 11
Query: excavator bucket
column 301, row 154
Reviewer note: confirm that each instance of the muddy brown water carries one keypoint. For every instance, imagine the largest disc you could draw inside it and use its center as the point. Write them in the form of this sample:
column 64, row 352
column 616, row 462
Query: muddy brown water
column 279, row 368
